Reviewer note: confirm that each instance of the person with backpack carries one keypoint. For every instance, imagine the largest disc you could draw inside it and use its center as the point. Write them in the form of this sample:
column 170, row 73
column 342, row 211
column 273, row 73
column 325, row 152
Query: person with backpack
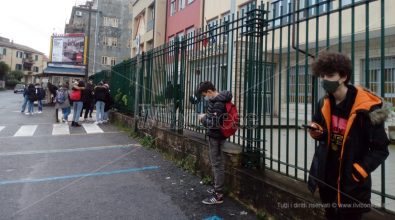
column 349, row 127
column 108, row 103
column 31, row 95
column 88, row 100
column 40, row 92
column 100, row 97
column 213, row 120
column 62, row 101
column 76, row 96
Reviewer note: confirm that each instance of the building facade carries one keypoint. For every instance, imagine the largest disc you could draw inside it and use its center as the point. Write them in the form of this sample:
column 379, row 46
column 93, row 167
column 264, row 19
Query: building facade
column 20, row 57
column 149, row 25
column 110, row 28
column 184, row 17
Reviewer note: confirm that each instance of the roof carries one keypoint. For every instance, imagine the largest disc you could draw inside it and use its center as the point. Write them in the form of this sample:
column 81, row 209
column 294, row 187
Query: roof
column 64, row 71
column 19, row 47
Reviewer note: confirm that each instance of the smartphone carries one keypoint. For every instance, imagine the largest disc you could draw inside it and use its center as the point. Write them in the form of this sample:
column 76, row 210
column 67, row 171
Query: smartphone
column 310, row 127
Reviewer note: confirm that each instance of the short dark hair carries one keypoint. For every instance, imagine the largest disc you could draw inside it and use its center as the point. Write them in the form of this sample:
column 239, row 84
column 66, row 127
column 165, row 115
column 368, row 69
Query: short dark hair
column 205, row 86
column 332, row 62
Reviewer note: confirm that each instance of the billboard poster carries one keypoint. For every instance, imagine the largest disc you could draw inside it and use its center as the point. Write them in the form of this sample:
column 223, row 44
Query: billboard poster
column 68, row 48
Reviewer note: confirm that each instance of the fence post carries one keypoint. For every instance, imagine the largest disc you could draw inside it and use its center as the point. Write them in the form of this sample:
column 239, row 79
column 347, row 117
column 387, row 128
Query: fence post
column 139, row 69
column 175, row 83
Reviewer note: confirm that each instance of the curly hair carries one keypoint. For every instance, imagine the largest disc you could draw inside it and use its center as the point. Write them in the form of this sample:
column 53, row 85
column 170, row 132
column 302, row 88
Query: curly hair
column 204, row 87
column 332, row 62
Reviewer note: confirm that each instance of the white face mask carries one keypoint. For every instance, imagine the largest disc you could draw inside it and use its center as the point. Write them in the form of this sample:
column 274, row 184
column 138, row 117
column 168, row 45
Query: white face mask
column 206, row 98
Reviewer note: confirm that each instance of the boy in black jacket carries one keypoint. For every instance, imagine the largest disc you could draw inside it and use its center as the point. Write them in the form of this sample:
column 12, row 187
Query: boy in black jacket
column 349, row 124
column 213, row 121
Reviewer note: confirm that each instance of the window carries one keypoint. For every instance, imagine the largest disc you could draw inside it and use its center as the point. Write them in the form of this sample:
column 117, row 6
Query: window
column 19, row 54
column 190, row 1
column 110, row 22
column 104, row 60
column 110, row 41
column 180, row 36
column 172, row 7
column 181, row 4
column 171, row 40
column 35, row 69
column 190, row 37
column 4, row 51
column 280, row 8
column 300, row 87
column 375, row 77
column 322, row 8
column 113, row 61
column 36, row 57
column 18, row 67
column 349, row 2
column 243, row 12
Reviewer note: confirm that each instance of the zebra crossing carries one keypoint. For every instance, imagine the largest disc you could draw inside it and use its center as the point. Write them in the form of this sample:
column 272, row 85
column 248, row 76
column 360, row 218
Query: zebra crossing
column 56, row 129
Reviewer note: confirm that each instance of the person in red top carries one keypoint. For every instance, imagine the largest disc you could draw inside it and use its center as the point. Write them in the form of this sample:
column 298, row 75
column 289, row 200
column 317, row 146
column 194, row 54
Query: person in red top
column 349, row 124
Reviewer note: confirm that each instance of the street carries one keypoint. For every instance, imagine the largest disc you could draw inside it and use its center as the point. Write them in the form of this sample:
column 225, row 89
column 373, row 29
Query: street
column 50, row 170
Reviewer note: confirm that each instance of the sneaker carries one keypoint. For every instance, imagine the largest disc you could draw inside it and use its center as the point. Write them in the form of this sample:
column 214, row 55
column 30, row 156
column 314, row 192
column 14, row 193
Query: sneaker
column 97, row 122
column 39, row 112
column 77, row 125
column 216, row 198
column 27, row 113
column 64, row 120
column 211, row 190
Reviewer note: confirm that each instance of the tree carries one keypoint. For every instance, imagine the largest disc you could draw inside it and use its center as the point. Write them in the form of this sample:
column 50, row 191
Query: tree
column 16, row 74
column 4, row 69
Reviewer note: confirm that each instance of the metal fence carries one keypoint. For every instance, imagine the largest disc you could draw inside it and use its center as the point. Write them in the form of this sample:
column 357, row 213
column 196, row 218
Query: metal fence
column 262, row 55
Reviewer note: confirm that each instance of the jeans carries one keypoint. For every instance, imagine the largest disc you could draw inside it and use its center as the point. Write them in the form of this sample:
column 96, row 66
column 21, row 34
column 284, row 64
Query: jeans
column 30, row 106
column 25, row 101
column 77, row 108
column 40, row 105
column 217, row 163
column 66, row 112
column 100, row 110
column 105, row 116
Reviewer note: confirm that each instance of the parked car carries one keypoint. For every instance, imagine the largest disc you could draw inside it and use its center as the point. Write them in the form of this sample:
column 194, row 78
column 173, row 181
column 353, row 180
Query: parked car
column 19, row 88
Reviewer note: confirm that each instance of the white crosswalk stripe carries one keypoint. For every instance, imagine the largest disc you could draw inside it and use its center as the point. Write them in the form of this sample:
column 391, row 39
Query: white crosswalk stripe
column 60, row 129
column 56, row 129
column 26, row 130
column 92, row 128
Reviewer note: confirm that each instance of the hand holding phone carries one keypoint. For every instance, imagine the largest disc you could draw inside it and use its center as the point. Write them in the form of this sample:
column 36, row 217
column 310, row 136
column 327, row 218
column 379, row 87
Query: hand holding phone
column 310, row 127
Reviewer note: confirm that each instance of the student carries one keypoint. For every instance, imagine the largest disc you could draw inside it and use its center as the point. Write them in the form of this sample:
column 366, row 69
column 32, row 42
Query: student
column 76, row 96
column 62, row 101
column 40, row 92
column 349, row 124
column 212, row 121
column 31, row 95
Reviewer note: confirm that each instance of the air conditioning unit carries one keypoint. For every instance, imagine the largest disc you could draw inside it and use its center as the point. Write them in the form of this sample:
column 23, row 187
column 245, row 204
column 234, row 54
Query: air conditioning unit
column 78, row 13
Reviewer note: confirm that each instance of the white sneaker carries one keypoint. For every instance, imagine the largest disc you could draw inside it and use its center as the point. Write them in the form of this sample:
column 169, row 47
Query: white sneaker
column 98, row 122
column 27, row 113
column 39, row 112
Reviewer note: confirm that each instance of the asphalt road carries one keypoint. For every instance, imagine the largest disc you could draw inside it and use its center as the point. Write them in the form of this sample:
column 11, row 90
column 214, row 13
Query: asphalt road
column 54, row 171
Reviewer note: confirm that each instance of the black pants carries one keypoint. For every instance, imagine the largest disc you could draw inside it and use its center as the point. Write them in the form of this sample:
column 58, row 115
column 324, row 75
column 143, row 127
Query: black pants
column 88, row 107
column 329, row 199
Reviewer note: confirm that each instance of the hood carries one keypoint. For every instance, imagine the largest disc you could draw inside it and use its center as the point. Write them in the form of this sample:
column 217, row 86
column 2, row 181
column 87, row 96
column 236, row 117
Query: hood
column 224, row 96
column 366, row 100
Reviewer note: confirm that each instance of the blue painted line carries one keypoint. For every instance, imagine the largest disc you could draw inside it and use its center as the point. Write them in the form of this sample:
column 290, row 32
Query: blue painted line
column 213, row 218
column 132, row 170
column 64, row 150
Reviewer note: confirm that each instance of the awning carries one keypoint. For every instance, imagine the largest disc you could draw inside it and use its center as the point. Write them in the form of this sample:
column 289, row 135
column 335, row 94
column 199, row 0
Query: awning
column 51, row 70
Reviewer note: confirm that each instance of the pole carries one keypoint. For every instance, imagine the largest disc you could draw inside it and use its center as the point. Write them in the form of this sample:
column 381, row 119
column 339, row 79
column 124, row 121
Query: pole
column 88, row 41
column 230, row 45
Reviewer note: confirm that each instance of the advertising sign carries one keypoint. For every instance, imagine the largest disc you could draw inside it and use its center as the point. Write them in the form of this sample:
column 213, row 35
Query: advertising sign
column 68, row 48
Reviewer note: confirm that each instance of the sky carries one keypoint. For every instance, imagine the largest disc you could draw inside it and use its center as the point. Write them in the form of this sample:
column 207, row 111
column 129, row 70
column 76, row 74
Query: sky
column 32, row 22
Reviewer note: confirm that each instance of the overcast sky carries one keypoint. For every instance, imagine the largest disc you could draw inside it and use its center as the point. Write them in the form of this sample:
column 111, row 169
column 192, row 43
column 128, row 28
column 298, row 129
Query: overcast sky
column 32, row 22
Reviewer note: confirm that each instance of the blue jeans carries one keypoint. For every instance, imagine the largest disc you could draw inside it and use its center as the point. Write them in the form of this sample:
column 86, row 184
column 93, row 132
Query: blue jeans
column 25, row 101
column 105, row 116
column 77, row 108
column 40, row 105
column 30, row 106
column 100, row 110
column 66, row 112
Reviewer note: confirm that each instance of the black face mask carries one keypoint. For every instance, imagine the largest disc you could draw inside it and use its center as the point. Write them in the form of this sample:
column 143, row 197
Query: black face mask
column 330, row 86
